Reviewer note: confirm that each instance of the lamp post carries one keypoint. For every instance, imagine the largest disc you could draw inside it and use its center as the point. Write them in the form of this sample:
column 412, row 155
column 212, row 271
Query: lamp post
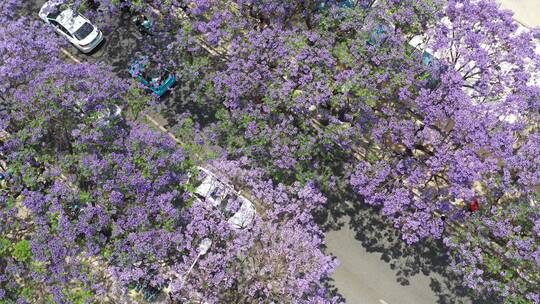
column 202, row 249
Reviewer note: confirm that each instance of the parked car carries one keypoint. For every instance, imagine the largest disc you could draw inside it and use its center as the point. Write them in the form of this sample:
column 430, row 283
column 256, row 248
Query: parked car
column 238, row 210
column 156, row 78
column 68, row 23
column 434, row 69
column 325, row 4
column 378, row 35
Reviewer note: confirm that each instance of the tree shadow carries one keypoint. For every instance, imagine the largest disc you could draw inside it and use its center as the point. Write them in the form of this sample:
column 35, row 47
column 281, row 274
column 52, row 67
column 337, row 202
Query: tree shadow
column 124, row 42
column 30, row 8
column 183, row 100
column 333, row 292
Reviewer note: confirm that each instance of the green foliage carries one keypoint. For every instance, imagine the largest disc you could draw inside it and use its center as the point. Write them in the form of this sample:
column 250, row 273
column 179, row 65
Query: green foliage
column 343, row 53
column 22, row 251
column 85, row 197
column 39, row 267
column 137, row 100
column 79, row 296
column 4, row 246
column 141, row 163
column 372, row 156
column 230, row 133
column 493, row 265
column 192, row 142
column 169, row 225
column 27, row 293
column 54, row 218
column 10, row 202
column 298, row 42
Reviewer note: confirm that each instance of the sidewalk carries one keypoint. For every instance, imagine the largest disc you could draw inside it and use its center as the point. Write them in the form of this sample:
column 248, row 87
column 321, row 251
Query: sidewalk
column 526, row 12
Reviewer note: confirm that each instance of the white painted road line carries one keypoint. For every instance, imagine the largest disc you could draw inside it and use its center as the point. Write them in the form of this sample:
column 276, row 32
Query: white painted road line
column 162, row 128
column 69, row 55
column 382, row 301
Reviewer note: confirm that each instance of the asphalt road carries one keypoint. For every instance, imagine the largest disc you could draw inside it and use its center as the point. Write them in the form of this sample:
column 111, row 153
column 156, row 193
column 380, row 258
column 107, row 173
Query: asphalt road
column 364, row 277
column 376, row 266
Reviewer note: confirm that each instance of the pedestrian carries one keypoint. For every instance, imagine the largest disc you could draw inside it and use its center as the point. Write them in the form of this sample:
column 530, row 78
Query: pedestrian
column 474, row 206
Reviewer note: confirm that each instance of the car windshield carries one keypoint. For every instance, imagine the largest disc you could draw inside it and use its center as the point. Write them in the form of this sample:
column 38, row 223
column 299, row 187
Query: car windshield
column 84, row 31
column 217, row 193
column 53, row 15
column 231, row 203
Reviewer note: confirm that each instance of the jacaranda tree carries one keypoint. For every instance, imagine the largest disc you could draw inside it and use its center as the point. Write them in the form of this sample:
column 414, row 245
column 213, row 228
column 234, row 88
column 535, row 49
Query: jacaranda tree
column 94, row 199
column 422, row 106
column 436, row 98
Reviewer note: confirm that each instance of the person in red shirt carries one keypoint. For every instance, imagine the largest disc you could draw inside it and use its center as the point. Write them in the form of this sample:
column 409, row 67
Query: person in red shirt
column 474, row 206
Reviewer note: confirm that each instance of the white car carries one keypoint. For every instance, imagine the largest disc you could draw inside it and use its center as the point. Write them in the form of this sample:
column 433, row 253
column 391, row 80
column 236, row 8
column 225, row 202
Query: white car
column 224, row 197
column 76, row 28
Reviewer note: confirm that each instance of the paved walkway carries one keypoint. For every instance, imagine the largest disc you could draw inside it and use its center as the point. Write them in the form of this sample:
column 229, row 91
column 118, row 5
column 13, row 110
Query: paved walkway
column 527, row 12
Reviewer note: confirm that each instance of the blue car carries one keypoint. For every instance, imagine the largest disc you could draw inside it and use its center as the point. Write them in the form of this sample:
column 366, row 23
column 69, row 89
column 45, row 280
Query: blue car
column 147, row 72
column 435, row 69
column 364, row 4
column 324, row 5
column 378, row 36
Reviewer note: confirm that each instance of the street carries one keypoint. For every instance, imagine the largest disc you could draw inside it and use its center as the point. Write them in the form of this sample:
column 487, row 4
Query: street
column 375, row 265
column 363, row 277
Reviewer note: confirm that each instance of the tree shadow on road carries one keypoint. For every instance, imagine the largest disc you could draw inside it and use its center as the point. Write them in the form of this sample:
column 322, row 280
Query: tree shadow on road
column 183, row 100
column 377, row 235
column 333, row 292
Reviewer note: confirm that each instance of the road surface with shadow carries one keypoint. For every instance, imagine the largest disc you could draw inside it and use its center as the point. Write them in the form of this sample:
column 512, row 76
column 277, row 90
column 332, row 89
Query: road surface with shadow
column 377, row 266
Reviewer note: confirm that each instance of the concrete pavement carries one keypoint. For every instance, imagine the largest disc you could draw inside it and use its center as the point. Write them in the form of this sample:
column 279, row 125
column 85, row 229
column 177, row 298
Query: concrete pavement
column 527, row 12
